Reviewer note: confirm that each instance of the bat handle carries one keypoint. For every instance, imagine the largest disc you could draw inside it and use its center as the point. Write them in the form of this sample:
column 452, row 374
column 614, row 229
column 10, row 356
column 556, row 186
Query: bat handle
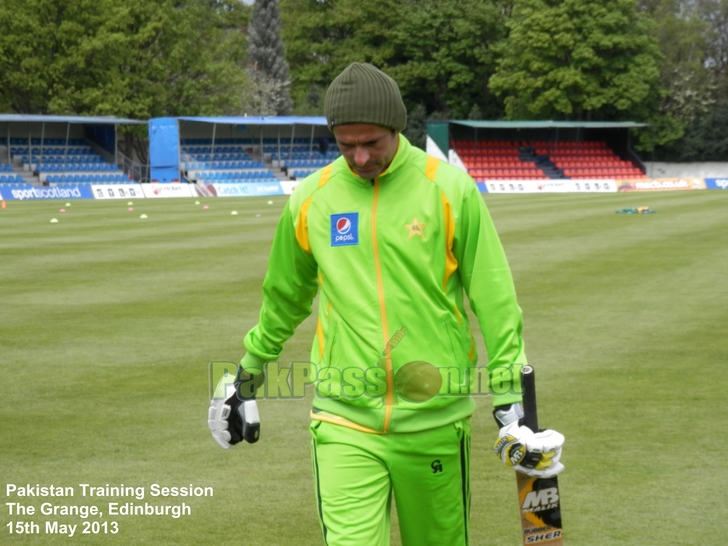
column 528, row 384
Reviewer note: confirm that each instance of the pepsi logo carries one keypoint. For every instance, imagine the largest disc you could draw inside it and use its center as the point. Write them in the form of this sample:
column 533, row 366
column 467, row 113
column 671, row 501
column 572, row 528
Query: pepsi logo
column 343, row 226
column 345, row 229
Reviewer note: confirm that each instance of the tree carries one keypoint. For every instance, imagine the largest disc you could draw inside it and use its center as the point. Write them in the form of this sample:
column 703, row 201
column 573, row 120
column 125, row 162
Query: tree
column 444, row 55
column 578, row 59
column 693, row 39
column 416, row 131
column 715, row 14
column 575, row 59
column 122, row 58
column 323, row 36
column 684, row 74
column 705, row 140
column 269, row 68
column 439, row 52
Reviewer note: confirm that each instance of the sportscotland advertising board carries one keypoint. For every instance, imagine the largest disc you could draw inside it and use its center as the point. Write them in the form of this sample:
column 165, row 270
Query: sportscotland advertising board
column 27, row 192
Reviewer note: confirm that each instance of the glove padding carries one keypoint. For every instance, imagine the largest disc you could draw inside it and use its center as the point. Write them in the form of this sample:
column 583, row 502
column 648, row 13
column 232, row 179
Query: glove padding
column 233, row 419
column 535, row 454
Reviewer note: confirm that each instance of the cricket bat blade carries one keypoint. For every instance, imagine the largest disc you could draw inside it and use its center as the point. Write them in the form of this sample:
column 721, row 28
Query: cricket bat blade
column 539, row 500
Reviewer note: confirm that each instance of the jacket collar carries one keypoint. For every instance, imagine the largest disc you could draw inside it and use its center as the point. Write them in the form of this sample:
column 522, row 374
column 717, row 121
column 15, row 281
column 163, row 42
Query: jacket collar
column 403, row 149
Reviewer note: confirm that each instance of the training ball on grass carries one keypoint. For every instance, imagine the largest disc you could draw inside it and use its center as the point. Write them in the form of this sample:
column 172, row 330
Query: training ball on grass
column 143, row 216
column 54, row 220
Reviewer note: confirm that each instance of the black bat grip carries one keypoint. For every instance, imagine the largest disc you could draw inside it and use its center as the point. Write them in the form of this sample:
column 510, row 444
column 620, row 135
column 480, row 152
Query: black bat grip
column 528, row 385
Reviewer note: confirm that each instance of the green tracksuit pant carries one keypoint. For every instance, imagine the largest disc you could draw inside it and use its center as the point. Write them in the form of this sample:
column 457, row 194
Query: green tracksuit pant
column 356, row 473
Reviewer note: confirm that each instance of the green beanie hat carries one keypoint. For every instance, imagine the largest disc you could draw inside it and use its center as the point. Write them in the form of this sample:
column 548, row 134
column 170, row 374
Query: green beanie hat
column 365, row 94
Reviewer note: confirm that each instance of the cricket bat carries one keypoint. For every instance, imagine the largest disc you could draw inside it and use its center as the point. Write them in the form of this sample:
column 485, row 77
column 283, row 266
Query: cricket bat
column 539, row 502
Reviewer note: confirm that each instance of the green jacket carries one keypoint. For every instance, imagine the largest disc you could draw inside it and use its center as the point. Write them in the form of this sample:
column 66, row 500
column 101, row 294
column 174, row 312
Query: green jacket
column 391, row 260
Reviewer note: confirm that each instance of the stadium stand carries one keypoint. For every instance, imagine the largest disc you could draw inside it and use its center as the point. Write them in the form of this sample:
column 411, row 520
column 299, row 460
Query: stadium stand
column 7, row 172
column 538, row 160
column 589, row 159
column 11, row 179
column 497, row 160
column 57, row 161
column 231, row 161
column 299, row 161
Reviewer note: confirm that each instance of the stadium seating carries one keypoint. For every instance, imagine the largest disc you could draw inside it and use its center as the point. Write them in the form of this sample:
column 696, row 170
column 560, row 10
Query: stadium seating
column 110, row 178
column 15, row 141
column 11, row 179
column 306, row 163
column 588, row 159
column 8, row 176
column 497, row 160
column 227, row 162
column 504, row 160
column 235, row 177
column 61, row 161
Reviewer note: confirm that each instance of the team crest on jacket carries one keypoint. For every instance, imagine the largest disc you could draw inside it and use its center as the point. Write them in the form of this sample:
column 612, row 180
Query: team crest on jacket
column 416, row 228
column 345, row 229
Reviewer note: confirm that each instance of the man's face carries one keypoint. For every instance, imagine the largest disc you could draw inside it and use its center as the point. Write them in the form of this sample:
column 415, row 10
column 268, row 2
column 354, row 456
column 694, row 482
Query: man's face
column 367, row 148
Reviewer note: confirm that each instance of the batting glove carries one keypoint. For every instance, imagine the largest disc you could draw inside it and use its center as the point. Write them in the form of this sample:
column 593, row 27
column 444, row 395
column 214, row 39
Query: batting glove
column 532, row 453
column 233, row 415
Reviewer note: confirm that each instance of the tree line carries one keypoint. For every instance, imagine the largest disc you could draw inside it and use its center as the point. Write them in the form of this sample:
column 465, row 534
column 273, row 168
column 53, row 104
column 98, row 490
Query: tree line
column 661, row 62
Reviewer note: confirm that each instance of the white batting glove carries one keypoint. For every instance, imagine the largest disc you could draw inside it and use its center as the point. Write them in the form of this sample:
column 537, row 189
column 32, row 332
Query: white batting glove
column 532, row 453
column 231, row 418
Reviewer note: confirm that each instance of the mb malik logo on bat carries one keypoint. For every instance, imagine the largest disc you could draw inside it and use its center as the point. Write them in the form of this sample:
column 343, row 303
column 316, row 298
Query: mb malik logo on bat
column 345, row 229
column 544, row 499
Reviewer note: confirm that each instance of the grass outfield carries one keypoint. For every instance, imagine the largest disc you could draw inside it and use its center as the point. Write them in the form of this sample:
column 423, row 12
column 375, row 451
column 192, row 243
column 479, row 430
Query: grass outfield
column 108, row 322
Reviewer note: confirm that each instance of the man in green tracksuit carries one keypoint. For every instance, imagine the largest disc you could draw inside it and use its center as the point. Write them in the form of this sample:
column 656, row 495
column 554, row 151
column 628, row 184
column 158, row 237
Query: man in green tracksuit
column 392, row 240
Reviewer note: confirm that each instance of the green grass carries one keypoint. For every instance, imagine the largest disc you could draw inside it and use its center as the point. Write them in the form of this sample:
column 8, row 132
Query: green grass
column 108, row 322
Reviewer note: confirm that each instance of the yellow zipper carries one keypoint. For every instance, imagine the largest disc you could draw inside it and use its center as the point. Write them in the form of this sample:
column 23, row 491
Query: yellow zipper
column 382, row 311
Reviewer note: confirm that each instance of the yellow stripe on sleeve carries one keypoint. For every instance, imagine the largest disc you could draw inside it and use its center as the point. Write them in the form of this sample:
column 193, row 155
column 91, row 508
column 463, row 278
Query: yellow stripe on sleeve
column 302, row 226
column 431, row 169
column 302, row 220
column 451, row 263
